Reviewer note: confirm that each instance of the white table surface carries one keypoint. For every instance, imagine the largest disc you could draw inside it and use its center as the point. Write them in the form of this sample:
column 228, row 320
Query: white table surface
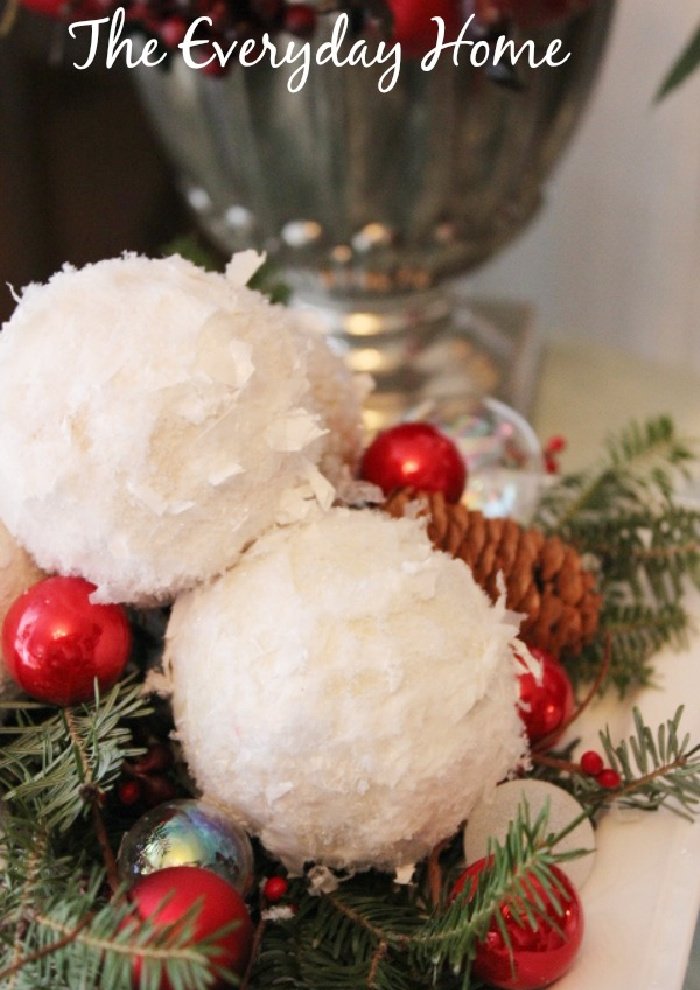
column 642, row 899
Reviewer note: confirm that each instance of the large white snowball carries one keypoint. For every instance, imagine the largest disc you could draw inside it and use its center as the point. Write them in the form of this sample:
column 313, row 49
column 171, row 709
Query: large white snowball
column 17, row 573
column 154, row 419
column 347, row 692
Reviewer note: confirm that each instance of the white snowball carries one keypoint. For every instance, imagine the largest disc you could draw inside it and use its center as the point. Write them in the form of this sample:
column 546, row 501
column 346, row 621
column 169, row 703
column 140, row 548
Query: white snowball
column 347, row 692
column 338, row 396
column 154, row 419
column 17, row 573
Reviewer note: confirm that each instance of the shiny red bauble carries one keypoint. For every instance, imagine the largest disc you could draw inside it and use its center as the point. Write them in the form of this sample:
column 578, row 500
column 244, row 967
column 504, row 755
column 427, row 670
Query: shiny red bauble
column 414, row 29
column 56, row 642
column 547, row 706
column 415, row 455
column 536, row 957
column 71, row 10
column 528, row 13
column 165, row 897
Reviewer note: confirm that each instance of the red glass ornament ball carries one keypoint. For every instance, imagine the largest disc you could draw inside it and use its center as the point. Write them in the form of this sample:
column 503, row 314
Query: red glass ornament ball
column 414, row 29
column 166, row 896
column 55, row 641
column 70, row 10
column 536, row 957
column 415, row 455
column 546, row 706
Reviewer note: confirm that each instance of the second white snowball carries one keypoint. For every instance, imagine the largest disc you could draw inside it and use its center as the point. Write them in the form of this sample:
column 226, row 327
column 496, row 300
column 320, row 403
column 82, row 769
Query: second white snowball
column 345, row 691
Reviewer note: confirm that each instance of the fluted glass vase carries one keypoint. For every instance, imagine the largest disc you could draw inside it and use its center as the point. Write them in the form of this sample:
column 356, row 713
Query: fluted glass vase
column 370, row 201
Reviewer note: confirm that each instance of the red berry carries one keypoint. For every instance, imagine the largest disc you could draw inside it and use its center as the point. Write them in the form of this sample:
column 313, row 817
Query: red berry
column 609, row 779
column 299, row 19
column 548, row 705
column 56, row 642
column 415, row 455
column 275, row 889
column 129, row 792
column 591, row 763
column 556, row 444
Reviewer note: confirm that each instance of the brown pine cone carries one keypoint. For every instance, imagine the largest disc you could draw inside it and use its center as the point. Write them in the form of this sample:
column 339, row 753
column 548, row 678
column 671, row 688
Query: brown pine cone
column 545, row 579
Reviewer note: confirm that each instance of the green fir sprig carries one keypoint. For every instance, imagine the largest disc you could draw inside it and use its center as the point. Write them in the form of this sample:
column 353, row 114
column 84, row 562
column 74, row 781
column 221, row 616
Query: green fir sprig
column 51, row 765
column 645, row 546
column 64, row 922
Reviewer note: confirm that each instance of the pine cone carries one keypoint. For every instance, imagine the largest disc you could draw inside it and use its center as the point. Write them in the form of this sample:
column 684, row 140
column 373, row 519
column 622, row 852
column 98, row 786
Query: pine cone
column 545, row 579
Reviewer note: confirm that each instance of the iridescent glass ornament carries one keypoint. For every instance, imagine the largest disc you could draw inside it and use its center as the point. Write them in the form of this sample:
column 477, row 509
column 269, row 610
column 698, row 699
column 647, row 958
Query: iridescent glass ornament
column 187, row 833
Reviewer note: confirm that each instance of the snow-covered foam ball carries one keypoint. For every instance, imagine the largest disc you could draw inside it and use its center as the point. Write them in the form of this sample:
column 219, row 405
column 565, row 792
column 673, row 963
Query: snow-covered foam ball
column 17, row 573
column 338, row 395
column 154, row 419
column 346, row 691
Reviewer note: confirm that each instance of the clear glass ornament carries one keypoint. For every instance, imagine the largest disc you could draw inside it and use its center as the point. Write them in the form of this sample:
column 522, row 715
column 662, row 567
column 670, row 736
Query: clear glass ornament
column 187, row 833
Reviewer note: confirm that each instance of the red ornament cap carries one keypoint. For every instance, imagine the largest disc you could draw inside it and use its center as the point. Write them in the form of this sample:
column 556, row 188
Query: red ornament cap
column 166, row 896
column 546, row 706
column 415, row 455
column 536, row 957
column 56, row 642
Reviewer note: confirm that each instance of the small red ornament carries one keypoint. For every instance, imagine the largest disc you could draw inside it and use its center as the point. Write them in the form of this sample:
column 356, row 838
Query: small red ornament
column 166, row 896
column 56, row 642
column 535, row 958
column 275, row 889
column 414, row 28
column 609, row 779
column 591, row 763
column 548, row 705
column 415, row 455
column 299, row 19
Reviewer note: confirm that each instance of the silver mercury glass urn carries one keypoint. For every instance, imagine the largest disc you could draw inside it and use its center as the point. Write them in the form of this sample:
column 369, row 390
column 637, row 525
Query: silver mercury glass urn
column 367, row 201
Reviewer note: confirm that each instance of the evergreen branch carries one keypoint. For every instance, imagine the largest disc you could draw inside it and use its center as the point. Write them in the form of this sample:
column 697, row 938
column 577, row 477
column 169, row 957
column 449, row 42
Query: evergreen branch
column 684, row 66
column 639, row 468
column 94, row 795
column 636, row 633
column 656, row 769
column 55, row 768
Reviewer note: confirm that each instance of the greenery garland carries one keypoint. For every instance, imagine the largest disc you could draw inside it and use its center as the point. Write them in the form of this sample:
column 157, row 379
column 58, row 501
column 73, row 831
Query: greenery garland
column 63, row 913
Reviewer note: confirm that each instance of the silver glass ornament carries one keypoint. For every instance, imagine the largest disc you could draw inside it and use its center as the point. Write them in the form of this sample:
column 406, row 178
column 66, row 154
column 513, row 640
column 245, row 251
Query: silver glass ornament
column 187, row 833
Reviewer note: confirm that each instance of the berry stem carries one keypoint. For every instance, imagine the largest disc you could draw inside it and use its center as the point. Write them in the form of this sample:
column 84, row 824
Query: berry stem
column 254, row 952
column 92, row 794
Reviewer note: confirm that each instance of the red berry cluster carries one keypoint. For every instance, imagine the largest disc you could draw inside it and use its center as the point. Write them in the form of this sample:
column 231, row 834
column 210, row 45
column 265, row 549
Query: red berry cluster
column 145, row 782
column 555, row 446
column 593, row 766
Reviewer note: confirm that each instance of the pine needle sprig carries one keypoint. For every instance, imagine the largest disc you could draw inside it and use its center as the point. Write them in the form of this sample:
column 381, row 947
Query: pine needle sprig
column 68, row 944
column 622, row 515
column 657, row 769
column 640, row 468
column 52, row 763
column 636, row 633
